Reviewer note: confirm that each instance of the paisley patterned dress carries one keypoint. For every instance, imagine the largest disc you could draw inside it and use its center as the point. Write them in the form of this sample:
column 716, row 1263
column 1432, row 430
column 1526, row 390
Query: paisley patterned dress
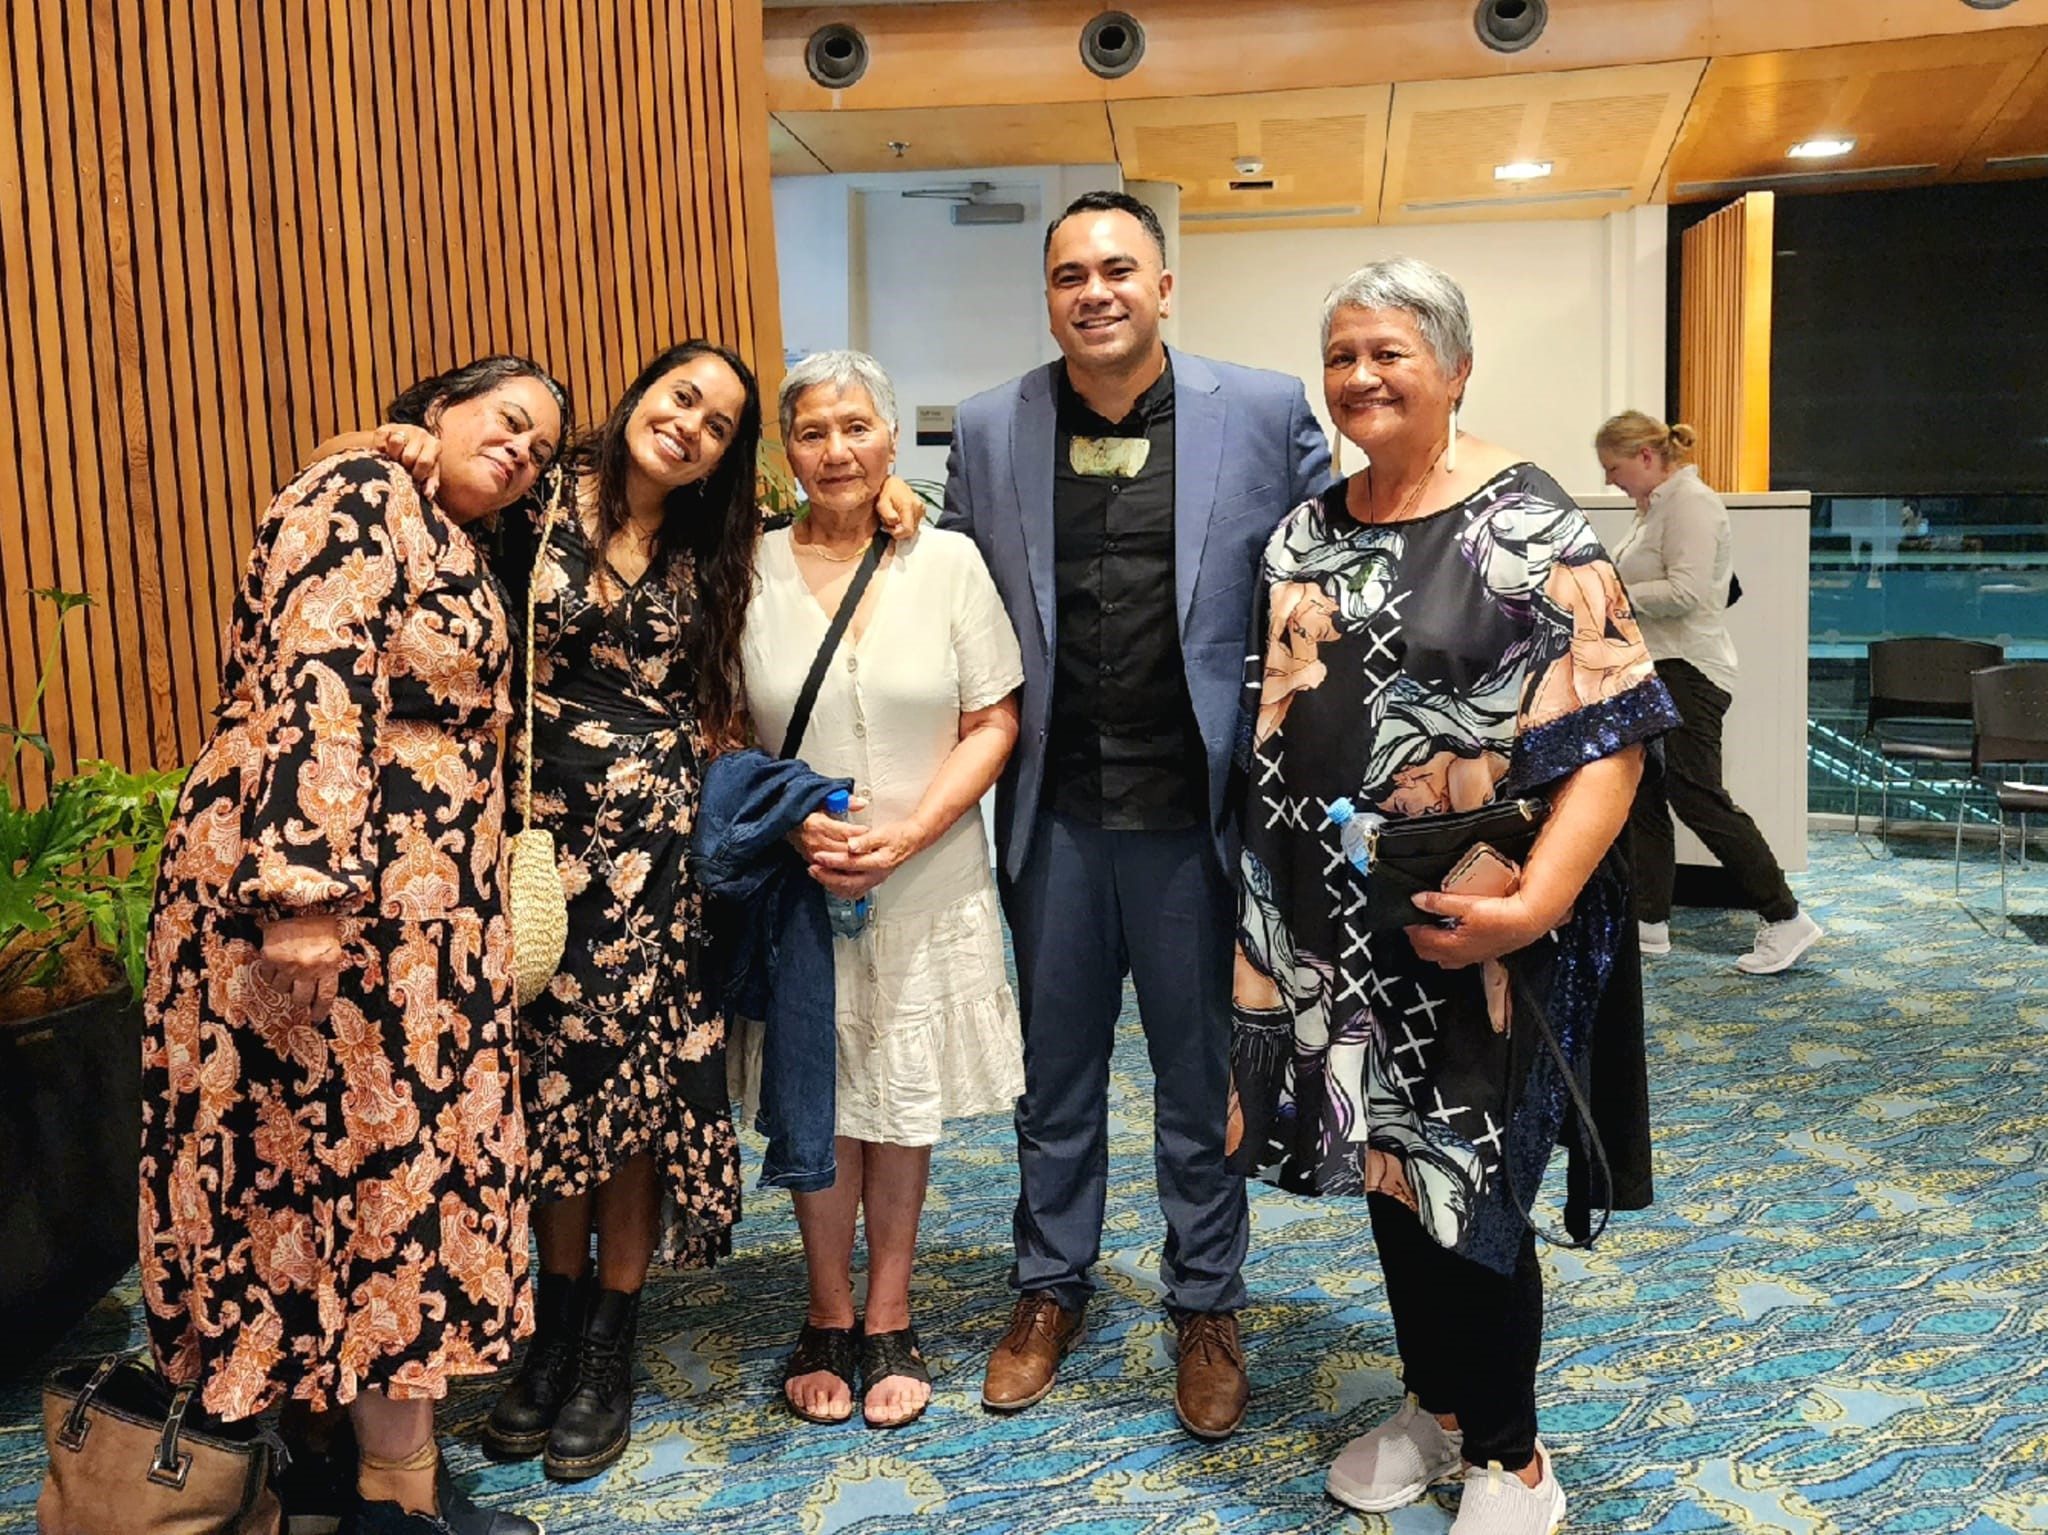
column 1484, row 651
column 334, row 1205
column 625, row 1054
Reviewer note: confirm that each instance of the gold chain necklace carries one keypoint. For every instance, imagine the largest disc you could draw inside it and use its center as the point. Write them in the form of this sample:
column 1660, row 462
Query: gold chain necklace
column 1401, row 511
column 826, row 554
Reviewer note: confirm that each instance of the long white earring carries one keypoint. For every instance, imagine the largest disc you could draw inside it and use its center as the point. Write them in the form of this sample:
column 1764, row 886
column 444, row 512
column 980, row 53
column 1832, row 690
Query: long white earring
column 1451, row 447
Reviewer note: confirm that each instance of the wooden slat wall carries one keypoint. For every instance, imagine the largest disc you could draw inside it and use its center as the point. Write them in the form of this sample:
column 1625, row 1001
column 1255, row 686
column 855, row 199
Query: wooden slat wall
column 231, row 228
column 1724, row 365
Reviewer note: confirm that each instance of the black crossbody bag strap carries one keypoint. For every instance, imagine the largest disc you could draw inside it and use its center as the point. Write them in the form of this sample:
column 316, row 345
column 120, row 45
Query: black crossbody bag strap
column 800, row 717
column 1589, row 1133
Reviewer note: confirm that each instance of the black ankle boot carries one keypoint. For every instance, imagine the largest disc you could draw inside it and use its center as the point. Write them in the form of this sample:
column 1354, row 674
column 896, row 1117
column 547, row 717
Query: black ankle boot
column 594, row 1425
column 525, row 1412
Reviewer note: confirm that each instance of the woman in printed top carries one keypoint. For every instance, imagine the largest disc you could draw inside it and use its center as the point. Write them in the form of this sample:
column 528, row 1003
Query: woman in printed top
column 1441, row 632
column 334, row 1209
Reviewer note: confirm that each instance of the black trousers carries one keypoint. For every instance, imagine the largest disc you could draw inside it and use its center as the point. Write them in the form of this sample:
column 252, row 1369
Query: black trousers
column 1692, row 790
column 1469, row 1337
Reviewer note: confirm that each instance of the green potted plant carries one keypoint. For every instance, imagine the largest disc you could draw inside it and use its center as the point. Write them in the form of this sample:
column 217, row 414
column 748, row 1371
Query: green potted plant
column 77, row 874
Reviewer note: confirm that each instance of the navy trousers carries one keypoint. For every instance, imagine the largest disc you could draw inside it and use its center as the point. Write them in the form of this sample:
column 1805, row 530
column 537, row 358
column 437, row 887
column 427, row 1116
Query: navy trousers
column 1089, row 907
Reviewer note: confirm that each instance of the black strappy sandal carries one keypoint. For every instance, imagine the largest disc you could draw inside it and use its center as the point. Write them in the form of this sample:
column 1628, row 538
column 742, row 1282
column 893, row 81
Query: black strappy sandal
column 832, row 1350
column 883, row 1354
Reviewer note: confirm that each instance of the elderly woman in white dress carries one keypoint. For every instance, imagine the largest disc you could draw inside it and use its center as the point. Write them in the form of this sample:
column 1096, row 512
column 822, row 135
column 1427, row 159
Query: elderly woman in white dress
column 919, row 709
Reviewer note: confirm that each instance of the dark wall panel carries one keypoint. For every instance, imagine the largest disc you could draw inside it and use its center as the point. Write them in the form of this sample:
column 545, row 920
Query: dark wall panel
column 1909, row 339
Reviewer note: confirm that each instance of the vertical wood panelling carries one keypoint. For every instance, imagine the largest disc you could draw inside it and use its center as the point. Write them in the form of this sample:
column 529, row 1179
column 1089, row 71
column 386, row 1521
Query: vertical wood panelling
column 1724, row 372
column 232, row 228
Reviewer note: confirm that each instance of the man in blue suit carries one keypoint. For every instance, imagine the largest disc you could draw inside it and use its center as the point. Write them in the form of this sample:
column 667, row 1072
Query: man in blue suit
column 1121, row 499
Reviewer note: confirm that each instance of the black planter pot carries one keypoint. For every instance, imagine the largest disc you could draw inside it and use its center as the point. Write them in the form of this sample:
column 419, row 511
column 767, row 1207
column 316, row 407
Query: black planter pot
column 70, row 1123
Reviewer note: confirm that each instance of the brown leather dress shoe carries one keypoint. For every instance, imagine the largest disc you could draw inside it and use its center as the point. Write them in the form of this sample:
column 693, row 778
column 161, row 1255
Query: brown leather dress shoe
column 1212, row 1391
column 1022, row 1367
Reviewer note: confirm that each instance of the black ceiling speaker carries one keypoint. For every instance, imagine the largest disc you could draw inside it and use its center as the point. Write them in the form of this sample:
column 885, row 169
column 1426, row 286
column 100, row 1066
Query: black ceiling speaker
column 1987, row 5
column 836, row 55
column 1509, row 26
column 1112, row 44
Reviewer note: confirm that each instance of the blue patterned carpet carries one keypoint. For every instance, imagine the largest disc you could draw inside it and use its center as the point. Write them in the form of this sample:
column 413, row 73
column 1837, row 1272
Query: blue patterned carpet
column 1836, row 1320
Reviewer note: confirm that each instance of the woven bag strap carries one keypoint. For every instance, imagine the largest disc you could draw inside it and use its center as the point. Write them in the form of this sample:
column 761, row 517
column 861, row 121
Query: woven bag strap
column 547, row 528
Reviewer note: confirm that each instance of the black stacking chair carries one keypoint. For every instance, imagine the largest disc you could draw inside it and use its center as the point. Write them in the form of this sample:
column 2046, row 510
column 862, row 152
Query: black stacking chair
column 2009, row 708
column 1923, row 682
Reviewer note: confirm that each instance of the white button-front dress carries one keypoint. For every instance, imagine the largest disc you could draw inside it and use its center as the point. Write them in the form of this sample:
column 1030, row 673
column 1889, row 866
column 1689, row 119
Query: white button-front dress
column 927, row 1023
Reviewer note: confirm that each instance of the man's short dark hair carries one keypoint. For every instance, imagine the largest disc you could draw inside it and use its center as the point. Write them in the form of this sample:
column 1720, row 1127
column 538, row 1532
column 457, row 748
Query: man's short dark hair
column 1111, row 202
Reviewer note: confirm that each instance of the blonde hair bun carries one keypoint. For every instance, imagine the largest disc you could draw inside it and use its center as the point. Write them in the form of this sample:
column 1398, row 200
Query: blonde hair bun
column 1632, row 431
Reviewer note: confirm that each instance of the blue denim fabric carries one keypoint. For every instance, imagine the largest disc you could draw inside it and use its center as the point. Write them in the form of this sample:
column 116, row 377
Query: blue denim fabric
column 774, row 939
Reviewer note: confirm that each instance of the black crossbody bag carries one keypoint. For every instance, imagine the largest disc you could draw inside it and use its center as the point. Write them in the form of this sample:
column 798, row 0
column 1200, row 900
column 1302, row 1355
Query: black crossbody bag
column 1413, row 856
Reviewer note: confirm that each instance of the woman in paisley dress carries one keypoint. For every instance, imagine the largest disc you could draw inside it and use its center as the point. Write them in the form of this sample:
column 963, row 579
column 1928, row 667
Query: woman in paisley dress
column 1441, row 631
column 333, row 1172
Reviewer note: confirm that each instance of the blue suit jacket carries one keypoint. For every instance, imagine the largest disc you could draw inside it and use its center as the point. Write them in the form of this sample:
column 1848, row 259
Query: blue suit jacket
column 1246, row 452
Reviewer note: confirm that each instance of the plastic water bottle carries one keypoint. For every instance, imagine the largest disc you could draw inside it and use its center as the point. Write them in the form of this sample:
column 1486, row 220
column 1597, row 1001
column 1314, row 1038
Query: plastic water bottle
column 1355, row 833
column 848, row 917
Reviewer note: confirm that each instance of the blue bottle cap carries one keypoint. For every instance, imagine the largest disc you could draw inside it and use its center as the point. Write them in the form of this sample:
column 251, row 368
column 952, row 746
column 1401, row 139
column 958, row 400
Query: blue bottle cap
column 838, row 802
column 1340, row 811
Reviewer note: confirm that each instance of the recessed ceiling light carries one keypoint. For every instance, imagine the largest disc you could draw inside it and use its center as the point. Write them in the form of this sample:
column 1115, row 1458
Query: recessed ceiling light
column 1521, row 170
column 1820, row 149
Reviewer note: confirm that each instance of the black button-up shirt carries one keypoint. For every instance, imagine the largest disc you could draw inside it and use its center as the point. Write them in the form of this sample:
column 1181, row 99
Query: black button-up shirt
column 1125, row 752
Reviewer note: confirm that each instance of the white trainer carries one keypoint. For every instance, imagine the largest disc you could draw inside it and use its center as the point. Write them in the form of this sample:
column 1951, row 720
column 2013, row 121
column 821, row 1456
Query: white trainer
column 1393, row 1465
column 1654, row 937
column 1498, row 1502
column 1779, row 945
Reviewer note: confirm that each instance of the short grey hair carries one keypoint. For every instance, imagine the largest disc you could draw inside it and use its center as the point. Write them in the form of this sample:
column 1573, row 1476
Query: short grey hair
column 843, row 371
column 1424, row 291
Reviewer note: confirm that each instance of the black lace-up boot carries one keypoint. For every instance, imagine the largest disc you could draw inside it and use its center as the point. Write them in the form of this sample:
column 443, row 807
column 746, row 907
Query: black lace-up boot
column 596, row 1423
column 525, row 1413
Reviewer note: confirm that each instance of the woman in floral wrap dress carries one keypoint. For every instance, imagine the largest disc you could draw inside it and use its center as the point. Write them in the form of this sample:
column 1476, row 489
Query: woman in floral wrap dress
column 333, row 1176
column 1442, row 631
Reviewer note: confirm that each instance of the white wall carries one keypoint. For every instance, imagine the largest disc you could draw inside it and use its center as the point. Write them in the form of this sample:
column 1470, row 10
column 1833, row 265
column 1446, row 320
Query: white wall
column 812, row 218
column 948, row 310
column 1567, row 317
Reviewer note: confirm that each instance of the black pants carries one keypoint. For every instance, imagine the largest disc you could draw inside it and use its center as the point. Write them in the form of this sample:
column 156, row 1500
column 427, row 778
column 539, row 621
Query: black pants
column 1469, row 1338
column 1692, row 790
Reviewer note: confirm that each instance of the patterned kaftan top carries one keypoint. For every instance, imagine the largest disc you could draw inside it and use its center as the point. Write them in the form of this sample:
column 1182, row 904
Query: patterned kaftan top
column 1419, row 668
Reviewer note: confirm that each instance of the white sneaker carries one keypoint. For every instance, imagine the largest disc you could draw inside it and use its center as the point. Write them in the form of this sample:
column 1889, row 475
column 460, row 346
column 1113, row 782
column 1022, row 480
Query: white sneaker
column 1779, row 945
column 1654, row 937
column 1497, row 1503
column 1394, row 1464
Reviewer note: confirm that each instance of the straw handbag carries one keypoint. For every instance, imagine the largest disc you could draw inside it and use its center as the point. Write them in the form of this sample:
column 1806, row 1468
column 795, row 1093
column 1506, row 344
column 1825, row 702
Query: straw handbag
column 534, row 902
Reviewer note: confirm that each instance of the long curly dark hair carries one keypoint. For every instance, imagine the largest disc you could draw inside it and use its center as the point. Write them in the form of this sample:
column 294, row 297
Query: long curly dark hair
column 710, row 529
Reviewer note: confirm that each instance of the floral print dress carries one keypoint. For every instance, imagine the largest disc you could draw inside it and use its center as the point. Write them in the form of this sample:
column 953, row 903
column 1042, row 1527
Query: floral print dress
column 1417, row 668
column 625, row 1052
column 338, row 1205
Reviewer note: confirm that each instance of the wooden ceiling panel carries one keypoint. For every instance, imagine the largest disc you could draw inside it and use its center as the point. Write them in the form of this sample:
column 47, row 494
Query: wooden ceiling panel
column 1322, row 150
column 1605, row 132
column 2016, row 142
column 954, row 138
column 1921, row 102
column 787, row 155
